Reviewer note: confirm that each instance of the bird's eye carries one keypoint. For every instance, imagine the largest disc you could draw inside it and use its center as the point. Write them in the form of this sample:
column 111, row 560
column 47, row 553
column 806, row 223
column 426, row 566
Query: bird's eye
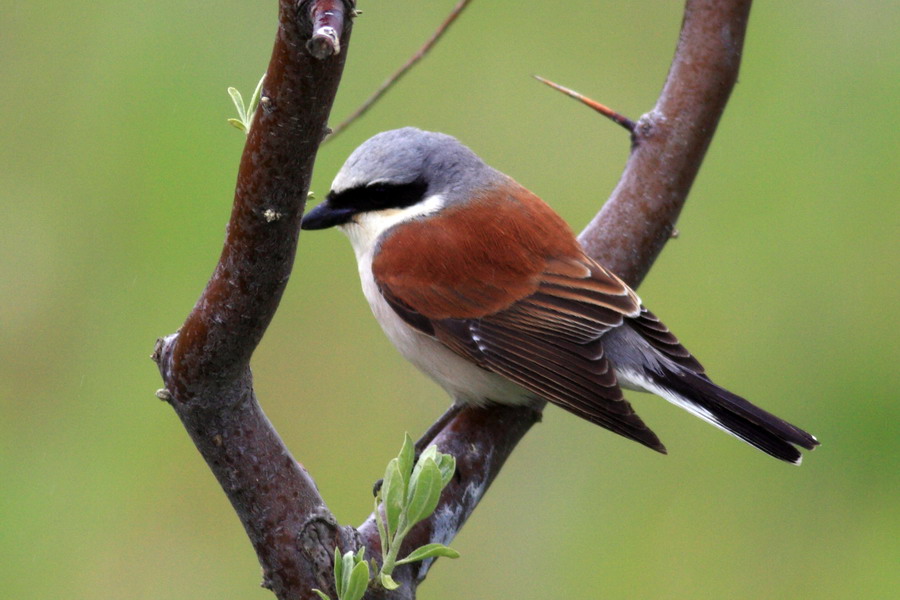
column 379, row 196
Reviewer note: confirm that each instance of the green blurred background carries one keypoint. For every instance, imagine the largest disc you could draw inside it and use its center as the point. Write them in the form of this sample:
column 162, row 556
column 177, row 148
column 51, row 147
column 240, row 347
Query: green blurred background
column 117, row 170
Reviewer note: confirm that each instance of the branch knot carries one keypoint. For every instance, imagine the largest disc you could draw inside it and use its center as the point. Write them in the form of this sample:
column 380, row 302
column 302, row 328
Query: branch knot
column 328, row 26
column 317, row 539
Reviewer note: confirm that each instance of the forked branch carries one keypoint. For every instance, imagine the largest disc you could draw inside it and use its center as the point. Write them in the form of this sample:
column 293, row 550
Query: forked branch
column 205, row 366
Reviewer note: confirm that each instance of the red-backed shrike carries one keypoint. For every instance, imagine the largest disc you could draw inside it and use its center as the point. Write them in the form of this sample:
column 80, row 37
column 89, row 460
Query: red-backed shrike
column 485, row 289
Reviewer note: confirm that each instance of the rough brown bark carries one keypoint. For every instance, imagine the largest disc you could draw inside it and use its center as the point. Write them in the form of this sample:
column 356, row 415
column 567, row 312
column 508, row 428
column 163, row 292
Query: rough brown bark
column 205, row 366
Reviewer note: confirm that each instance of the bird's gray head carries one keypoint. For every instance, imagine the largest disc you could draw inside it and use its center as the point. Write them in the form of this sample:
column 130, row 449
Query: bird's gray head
column 398, row 169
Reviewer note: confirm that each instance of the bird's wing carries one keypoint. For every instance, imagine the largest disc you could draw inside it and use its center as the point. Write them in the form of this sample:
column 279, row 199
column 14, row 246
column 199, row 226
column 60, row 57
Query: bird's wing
column 655, row 333
column 535, row 317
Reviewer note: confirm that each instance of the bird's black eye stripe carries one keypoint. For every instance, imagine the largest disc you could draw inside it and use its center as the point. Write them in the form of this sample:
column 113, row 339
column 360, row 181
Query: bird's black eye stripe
column 379, row 196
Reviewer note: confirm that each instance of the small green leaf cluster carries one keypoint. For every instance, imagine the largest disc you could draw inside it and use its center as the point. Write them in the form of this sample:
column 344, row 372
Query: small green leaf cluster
column 245, row 112
column 409, row 494
column 351, row 575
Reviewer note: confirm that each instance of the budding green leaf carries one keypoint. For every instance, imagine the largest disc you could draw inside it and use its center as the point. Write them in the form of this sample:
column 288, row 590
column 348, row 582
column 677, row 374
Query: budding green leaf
column 254, row 99
column 382, row 528
column 237, row 124
column 426, row 493
column 347, row 573
column 322, row 594
column 358, row 582
column 338, row 572
column 238, row 103
column 429, row 452
column 387, row 582
column 408, row 495
column 245, row 111
column 447, row 465
column 393, row 491
column 406, row 457
column 429, row 551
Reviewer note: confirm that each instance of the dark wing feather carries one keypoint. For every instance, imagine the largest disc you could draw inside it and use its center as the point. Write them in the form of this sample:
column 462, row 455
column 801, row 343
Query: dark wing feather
column 658, row 335
column 561, row 374
column 549, row 342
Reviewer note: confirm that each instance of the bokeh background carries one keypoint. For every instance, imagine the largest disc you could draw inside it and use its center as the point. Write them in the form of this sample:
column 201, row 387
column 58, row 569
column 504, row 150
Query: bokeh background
column 116, row 174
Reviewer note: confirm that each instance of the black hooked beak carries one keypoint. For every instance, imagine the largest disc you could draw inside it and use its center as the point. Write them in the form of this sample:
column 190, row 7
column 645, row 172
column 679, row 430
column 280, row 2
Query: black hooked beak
column 324, row 216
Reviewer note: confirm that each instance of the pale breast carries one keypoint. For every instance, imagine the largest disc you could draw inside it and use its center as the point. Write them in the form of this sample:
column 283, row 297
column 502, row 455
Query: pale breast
column 464, row 381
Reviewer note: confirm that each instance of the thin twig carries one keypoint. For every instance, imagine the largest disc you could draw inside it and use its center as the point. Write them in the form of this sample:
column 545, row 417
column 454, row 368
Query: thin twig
column 395, row 77
column 600, row 108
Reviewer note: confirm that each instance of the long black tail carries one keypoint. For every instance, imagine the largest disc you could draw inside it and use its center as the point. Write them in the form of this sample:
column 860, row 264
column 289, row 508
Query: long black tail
column 733, row 414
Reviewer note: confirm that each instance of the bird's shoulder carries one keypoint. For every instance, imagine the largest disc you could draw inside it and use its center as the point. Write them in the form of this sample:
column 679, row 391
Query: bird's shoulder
column 483, row 257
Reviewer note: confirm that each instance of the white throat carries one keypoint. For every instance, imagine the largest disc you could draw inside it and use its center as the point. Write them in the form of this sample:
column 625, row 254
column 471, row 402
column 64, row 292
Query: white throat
column 367, row 228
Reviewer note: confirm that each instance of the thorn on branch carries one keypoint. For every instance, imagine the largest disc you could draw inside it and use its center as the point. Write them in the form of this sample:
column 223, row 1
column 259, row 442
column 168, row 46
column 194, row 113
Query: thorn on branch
column 328, row 25
column 600, row 108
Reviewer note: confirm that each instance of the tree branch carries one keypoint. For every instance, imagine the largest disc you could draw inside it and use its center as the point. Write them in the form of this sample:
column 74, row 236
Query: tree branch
column 205, row 367
column 671, row 140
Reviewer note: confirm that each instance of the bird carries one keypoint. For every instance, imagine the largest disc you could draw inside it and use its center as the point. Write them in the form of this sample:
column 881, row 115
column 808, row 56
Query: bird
column 486, row 290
